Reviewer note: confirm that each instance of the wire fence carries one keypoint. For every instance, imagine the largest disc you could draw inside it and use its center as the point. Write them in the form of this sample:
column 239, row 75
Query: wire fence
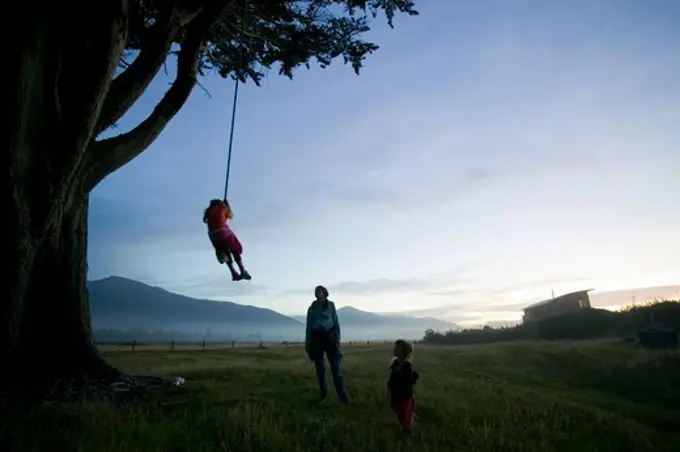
column 213, row 345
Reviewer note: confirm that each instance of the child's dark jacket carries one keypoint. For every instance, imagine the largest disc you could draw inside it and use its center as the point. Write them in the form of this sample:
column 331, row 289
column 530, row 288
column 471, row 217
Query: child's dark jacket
column 402, row 379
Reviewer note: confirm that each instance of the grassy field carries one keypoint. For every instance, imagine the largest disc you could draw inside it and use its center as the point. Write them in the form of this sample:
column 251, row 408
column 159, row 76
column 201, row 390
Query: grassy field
column 580, row 396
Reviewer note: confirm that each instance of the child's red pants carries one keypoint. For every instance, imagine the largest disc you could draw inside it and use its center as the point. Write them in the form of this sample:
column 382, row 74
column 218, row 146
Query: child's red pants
column 224, row 239
column 404, row 410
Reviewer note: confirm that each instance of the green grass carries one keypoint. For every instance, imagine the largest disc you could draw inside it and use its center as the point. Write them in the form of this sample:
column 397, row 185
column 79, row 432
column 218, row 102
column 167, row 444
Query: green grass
column 579, row 396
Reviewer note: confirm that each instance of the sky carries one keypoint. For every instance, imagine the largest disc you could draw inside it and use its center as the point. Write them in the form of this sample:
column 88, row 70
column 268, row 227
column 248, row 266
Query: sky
column 490, row 152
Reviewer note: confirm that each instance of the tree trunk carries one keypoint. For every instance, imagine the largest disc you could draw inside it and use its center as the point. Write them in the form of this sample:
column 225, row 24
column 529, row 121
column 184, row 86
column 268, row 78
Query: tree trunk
column 47, row 337
column 61, row 71
column 53, row 103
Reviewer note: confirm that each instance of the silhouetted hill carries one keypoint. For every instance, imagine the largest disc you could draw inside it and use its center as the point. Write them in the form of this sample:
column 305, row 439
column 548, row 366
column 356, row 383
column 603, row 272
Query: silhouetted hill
column 120, row 303
column 353, row 316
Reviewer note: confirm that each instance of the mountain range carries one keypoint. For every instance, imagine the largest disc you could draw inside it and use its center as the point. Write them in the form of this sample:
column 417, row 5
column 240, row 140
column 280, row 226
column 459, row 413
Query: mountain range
column 356, row 317
column 123, row 304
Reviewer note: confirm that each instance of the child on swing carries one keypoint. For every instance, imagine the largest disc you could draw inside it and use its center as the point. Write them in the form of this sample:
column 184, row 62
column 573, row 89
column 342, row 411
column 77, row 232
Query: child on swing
column 400, row 384
column 227, row 245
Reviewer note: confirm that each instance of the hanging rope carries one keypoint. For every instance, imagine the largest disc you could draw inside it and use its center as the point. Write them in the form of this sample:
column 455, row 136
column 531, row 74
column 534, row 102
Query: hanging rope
column 231, row 140
column 233, row 116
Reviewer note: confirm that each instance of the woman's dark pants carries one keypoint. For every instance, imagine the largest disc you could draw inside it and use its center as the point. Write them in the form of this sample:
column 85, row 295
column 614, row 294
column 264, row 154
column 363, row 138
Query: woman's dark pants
column 323, row 344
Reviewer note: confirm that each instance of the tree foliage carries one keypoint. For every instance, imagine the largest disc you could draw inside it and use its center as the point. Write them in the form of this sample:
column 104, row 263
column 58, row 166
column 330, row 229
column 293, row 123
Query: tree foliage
column 239, row 38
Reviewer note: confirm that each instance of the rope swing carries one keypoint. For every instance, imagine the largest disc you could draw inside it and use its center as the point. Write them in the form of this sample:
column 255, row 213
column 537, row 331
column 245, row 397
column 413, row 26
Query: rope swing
column 231, row 140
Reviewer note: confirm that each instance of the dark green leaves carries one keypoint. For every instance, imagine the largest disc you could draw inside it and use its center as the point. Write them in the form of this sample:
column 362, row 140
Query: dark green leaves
column 259, row 35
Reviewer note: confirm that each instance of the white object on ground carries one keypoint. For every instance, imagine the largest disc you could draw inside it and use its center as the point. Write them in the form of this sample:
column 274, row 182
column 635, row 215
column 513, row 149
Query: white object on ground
column 177, row 381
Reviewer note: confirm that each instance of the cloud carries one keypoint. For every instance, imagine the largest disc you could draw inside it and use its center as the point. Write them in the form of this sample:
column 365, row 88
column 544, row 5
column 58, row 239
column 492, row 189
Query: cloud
column 478, row 306
column 380, row 285
column 153, row 223
column 395, row 160
column 419, row 285
column 212, row 287
column 472, row 305
column 391, row 194
column 473, row 299
column 140, row 220
column 372, row 286
column 509, row 288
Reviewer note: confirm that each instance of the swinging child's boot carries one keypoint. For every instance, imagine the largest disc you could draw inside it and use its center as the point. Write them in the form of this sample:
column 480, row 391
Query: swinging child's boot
column 234, row 274
column 244, row 272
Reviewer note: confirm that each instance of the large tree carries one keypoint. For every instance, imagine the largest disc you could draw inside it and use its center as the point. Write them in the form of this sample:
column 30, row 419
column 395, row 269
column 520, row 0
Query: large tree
column 76, row 68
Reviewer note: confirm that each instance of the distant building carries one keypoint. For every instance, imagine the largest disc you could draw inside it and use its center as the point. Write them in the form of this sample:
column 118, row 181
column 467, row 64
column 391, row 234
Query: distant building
column 564, row 304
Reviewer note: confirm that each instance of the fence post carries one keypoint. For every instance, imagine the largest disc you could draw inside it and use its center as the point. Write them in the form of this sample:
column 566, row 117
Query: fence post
column 172, row 345
column 203, row 345
column 233, row 344
column 368, row 342
column 261, row 345
column 134, row 344
column 350, row 343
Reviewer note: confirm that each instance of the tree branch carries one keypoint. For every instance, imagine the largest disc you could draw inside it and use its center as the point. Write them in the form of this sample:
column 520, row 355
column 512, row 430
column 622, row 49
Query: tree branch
column 105, row 156
column 128, row 86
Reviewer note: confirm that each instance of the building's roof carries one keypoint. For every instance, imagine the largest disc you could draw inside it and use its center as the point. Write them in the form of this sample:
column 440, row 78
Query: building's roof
column 550, row 300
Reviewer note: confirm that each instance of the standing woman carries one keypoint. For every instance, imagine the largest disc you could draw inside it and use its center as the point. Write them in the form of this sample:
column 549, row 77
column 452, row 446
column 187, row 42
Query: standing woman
column 323, row 337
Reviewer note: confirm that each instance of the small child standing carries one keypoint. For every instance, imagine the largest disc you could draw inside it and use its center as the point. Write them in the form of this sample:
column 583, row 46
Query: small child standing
column 400, row 384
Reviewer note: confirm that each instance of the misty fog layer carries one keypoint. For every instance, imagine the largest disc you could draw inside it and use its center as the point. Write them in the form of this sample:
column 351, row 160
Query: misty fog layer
column 123, row 309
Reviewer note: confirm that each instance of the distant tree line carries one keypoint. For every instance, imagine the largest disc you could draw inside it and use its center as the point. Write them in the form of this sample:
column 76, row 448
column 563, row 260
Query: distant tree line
column 585, row 324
